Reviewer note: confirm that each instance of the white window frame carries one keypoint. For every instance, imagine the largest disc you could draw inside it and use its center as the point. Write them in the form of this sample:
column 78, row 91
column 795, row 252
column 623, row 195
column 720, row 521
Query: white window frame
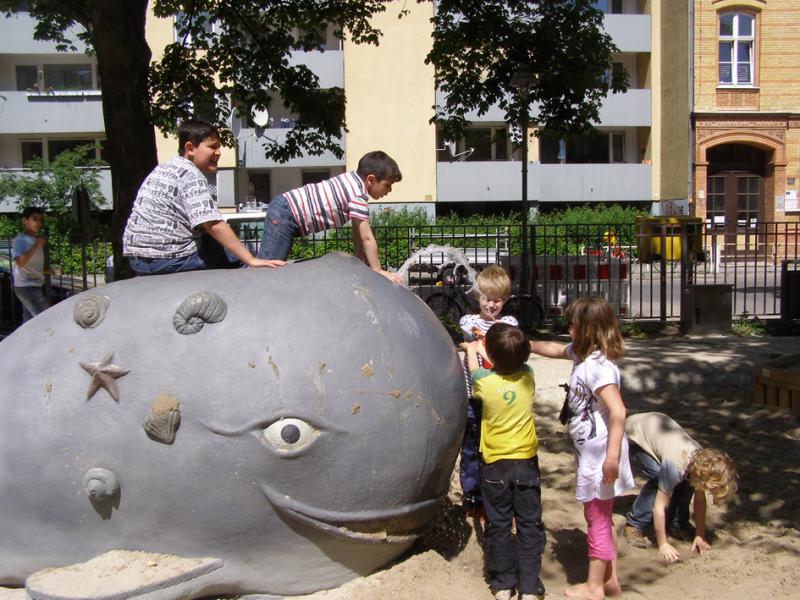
column 736, row 40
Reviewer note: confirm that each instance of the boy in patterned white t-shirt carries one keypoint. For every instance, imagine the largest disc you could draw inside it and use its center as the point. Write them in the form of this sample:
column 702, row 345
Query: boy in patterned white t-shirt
column 175, row 224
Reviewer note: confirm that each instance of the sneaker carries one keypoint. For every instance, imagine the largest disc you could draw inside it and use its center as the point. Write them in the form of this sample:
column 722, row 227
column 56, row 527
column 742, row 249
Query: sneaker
column 635, row 537
column 502, row 595
column 531, row 597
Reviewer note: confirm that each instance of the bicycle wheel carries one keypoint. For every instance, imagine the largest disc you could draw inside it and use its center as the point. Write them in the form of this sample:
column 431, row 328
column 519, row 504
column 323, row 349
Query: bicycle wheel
column 528, row 310
column 445, row 307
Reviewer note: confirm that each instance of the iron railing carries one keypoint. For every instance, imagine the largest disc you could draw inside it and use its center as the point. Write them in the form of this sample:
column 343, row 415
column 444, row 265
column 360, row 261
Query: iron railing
column 642, row 272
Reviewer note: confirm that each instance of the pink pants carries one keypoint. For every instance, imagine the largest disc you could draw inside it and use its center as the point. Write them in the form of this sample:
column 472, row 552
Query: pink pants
column 598, row 529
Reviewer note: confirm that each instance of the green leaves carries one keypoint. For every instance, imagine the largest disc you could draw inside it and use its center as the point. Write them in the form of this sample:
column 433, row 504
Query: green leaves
column 479, row 44
column 232, row 55
column 51, row 187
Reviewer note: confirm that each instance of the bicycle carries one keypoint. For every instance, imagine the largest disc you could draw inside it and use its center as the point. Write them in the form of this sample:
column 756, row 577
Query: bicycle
column 451, row 301
column 527, row 308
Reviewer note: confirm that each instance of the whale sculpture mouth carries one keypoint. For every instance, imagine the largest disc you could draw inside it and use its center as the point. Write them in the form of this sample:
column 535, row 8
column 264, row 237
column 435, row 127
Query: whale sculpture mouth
column 398, row 526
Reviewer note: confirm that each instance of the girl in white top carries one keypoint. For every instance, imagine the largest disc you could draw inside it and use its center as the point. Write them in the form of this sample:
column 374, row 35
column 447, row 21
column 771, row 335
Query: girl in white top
column 595, row 415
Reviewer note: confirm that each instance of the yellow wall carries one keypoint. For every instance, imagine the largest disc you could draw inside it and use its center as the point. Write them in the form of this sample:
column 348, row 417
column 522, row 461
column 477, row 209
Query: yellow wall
column 390, row 95
column 669, row 77
column 159, row 33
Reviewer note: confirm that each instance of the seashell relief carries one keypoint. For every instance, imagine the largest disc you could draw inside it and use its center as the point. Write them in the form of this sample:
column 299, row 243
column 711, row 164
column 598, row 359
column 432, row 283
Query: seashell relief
column 90, row 310
column 100, row 484
column 197, row 310
column 162, row 422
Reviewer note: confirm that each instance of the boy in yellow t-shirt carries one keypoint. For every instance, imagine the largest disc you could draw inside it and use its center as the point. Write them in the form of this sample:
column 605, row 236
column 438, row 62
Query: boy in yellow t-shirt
column 510, row 477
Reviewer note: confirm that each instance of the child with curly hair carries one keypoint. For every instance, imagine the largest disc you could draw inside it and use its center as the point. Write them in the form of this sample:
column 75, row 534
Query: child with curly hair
column 677, row 468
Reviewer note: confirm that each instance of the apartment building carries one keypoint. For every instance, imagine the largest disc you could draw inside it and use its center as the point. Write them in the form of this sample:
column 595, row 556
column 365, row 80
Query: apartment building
column 49, row 100
column 639, row 154
column 746, row 113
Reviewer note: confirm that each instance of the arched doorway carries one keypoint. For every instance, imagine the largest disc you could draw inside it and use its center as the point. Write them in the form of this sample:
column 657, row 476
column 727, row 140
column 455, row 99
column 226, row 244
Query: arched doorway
column 735, row 191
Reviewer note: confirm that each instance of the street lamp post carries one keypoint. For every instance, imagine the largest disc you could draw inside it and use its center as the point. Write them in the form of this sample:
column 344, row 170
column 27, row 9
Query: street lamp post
column 521, row 81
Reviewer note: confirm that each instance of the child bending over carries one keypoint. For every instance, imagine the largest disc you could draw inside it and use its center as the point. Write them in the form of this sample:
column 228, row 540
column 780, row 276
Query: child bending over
column 676, row 468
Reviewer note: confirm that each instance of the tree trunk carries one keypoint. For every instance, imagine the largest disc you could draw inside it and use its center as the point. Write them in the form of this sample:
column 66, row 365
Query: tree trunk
column 123, row 60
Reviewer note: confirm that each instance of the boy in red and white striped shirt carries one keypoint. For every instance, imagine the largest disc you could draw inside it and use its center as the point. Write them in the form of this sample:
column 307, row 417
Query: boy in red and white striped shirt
column 330, row 204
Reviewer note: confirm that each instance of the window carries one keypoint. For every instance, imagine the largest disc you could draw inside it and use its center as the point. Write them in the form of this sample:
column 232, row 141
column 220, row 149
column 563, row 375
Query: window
column 736, row 49
column 259, row 187
column 715, row 202
column 27, row 77
column 608, row 6
column 56, row 147
column 30, row 150
column 617, row 145
column 592, row 148
column 484, row 144
column 68, row 77
column 747, row 196
column 315, row 176
column 182, row 21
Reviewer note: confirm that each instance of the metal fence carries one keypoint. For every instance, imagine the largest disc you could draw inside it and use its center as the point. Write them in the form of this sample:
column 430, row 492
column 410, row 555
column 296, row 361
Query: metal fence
column 645, row 270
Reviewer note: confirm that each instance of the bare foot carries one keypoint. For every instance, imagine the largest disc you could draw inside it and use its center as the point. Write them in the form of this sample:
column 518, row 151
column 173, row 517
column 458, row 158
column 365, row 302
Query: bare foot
column 582, row 590
column 612, row 587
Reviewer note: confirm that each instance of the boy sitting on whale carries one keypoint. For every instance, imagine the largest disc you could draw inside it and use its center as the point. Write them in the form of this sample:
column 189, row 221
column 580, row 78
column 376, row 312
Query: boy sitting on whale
column 175, row 224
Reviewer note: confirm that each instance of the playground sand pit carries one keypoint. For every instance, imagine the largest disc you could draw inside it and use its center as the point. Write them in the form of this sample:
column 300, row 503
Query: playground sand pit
column 755, row 546
column 704, row 384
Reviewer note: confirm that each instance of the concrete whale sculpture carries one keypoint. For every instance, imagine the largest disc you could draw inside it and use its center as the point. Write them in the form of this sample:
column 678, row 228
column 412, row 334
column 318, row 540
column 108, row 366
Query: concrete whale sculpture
column 298, row 426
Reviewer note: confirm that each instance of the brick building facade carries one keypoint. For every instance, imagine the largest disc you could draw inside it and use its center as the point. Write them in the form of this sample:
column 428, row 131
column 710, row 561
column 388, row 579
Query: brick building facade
column 746, row 114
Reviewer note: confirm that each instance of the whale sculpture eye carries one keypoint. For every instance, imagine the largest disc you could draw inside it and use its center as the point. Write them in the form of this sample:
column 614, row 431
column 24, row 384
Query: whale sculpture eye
column 290, row 435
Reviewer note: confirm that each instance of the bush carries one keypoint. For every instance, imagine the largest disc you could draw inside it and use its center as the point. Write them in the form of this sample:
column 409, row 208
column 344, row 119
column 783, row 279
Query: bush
column 573, row 230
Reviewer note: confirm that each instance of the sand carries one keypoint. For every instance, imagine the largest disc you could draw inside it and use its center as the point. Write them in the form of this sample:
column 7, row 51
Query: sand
column 706, row 385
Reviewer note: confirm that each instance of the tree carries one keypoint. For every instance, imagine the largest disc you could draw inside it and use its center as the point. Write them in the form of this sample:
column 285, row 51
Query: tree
column 479, row 44
column 52, row 186
column 240, row 62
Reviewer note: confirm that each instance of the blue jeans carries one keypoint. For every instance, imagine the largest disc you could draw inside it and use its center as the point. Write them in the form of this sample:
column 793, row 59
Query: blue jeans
column 210, row 255
column 280, row 229
column 641, row 513
column 513, row 489
column 32, row 299
column 469, row 470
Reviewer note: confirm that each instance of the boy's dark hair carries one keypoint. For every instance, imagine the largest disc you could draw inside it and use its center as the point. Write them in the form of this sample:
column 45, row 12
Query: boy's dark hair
column 32, row 210
column 195, row 131
column 379, row 164
column 508, row 347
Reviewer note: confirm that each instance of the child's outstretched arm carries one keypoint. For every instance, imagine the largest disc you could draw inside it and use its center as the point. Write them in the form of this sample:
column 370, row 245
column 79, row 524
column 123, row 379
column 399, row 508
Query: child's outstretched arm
column 366, row 248
column 471, row 349
column 616, row 428
column 549, row 349
column 223, row 234
column 667, row 550
column 700, row 544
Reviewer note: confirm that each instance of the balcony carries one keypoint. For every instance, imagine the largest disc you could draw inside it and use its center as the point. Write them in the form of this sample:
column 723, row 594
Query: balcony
column 58, row 112
column 630, row 33
column 16, row 36
column 9, row 204
column 631, row 109
column 502, row 181
column 251, row 151
column 622, row 182
column 328, row 66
